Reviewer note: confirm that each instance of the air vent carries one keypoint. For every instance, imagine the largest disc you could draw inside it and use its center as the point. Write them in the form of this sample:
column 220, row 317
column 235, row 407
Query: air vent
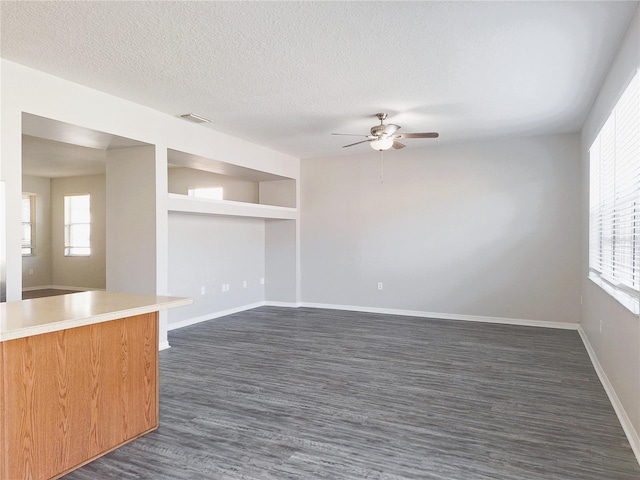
column 192, row 117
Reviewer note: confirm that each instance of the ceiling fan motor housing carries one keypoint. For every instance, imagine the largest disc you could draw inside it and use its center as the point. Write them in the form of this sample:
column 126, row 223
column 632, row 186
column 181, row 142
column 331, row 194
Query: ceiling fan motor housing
column 377, row 131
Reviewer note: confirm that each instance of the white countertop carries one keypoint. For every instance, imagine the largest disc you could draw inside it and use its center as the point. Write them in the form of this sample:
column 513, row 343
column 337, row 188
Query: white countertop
column 49, row 314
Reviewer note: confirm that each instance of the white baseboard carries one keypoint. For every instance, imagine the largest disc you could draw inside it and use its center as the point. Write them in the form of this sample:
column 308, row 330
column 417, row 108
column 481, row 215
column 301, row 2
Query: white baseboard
column 163, row 346
column 30, row 289
column 80, row 289
column 386, row 311
column 211, row 316
column 61, row 287
column 281, row 304
column 446, row 316
column 627, row 426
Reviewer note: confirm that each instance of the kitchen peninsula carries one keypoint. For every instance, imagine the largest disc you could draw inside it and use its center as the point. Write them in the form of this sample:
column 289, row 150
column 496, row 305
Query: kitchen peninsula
column 79, row 378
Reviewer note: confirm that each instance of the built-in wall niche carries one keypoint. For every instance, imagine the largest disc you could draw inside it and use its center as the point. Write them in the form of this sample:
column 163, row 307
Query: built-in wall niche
column 61, row 160
column 188, row 172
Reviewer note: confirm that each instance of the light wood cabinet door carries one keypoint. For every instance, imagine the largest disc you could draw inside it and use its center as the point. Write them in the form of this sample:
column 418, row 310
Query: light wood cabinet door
column 73, row 395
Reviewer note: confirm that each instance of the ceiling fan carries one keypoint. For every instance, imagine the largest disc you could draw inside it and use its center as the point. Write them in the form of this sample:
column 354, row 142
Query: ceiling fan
column 383, row 137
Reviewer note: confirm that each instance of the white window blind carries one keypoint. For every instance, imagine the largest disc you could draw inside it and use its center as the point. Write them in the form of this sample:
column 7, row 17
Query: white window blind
column 614, row 203
column 77, row 225
column 28, row 220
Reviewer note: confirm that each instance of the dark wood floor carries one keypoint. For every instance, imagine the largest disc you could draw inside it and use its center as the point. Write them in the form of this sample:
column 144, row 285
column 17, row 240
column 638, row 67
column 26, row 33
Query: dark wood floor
column 279, row 394
column 45, row 292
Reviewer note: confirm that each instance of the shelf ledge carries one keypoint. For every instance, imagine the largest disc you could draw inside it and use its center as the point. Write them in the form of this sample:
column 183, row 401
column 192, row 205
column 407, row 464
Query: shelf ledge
column 203, row 206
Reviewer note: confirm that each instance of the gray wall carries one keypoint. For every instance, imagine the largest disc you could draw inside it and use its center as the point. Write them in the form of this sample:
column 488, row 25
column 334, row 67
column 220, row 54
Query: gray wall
column 81, row 272
column 488, row 229
column 613, row 331
column 40, row 262
column 209, row 251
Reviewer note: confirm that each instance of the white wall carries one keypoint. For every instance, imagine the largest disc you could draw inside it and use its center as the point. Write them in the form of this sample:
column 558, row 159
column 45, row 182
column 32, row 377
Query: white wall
column 281, row 261
column 617, row 343
column 82, row 272
column 281, row 193
column 183, row 178
column 23, row 89
column 131, row 220
column 487, row 229
column 49, row 264
column 208, row 251
column 40, row 263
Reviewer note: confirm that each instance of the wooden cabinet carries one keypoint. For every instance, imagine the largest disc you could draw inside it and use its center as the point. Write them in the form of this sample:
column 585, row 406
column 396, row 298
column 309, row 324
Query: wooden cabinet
column 70, row 396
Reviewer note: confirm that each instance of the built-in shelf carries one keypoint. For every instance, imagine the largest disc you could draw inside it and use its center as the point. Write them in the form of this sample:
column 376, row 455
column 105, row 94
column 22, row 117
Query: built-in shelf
column 184, row 204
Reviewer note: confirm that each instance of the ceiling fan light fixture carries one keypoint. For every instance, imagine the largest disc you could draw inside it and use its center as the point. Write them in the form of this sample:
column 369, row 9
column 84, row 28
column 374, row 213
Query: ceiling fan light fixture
column 383, row 137
column 382, row 144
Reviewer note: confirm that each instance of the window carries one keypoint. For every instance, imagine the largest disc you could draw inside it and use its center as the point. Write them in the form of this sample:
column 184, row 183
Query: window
column 214, row 193
column 77, row 225
column 28, row 223
column 614, row 204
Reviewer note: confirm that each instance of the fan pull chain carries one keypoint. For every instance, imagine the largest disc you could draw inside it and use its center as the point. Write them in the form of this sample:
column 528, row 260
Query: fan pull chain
column 381, row 167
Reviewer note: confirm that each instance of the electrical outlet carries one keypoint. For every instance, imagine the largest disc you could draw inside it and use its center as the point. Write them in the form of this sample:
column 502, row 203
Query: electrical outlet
column 244, row 284
column 31, row 271
column 224, row 287
column 202, row 290
column 228, row 287
column 261, row 280
column 380, row 286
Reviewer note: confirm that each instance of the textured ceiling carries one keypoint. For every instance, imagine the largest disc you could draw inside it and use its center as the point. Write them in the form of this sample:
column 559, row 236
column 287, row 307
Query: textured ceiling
column 287, row 74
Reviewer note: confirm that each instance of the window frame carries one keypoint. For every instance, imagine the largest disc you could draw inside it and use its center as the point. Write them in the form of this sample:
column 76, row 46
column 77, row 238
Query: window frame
column 71, row 250
column 28, row 249
column 614, row 200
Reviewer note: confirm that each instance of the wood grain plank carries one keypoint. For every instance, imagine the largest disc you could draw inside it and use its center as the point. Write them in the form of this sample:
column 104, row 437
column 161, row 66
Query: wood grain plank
column 4, row 442
column 95, row 390
column 277, row 394
column 71, row 414
column 71, row 395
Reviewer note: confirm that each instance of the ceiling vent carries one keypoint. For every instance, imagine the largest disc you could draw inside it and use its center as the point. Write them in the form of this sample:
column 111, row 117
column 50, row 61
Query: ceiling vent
column 192, row 117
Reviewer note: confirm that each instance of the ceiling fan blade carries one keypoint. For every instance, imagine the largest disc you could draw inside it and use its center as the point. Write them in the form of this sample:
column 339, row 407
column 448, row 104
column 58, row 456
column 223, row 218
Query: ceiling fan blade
column 357, row 143
column 417, row 135
column 390, row 129
column 351, row 134
column 398, row 145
